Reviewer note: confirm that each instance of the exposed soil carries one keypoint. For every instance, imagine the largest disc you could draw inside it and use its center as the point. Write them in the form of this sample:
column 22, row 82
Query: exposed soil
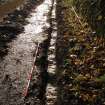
column 16, row 65
column 14, row 23
column 20, row 32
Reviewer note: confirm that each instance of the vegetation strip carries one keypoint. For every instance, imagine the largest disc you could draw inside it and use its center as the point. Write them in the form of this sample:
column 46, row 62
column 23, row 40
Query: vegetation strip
column 81, row 70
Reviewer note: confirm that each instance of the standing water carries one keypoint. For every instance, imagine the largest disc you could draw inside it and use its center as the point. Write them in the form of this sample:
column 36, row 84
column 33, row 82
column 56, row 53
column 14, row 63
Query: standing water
column 16, row 66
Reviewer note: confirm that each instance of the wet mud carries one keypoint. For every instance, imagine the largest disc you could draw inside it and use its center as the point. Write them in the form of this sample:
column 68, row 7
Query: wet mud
column 13, row 24
column 20, row 38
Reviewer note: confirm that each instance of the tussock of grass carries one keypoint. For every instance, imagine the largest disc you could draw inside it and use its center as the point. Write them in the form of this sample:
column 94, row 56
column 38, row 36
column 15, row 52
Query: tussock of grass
column 82, row 77
column 93, row 12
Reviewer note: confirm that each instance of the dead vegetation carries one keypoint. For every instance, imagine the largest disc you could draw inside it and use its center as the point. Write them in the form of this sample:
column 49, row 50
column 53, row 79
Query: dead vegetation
column 81, row 74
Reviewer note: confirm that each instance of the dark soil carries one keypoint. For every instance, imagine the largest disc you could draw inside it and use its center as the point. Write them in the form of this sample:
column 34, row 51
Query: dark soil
column 14, row 68
column 16, row 65
column 13, row 24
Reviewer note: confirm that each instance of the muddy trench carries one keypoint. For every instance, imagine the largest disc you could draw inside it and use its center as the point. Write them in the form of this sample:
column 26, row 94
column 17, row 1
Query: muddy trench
column 45, row 66
column 15, row 67
column 13, row 23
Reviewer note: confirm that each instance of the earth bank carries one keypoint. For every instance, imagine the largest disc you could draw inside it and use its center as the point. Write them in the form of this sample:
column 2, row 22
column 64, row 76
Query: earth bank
column 80, row 59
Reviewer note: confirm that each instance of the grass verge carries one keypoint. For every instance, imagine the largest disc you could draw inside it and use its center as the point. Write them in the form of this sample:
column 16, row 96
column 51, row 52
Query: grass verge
column 80, row 60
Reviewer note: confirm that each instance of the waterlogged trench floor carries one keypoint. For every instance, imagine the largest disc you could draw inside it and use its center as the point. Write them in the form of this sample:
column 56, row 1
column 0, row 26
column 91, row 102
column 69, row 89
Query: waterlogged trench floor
column 16, row 66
